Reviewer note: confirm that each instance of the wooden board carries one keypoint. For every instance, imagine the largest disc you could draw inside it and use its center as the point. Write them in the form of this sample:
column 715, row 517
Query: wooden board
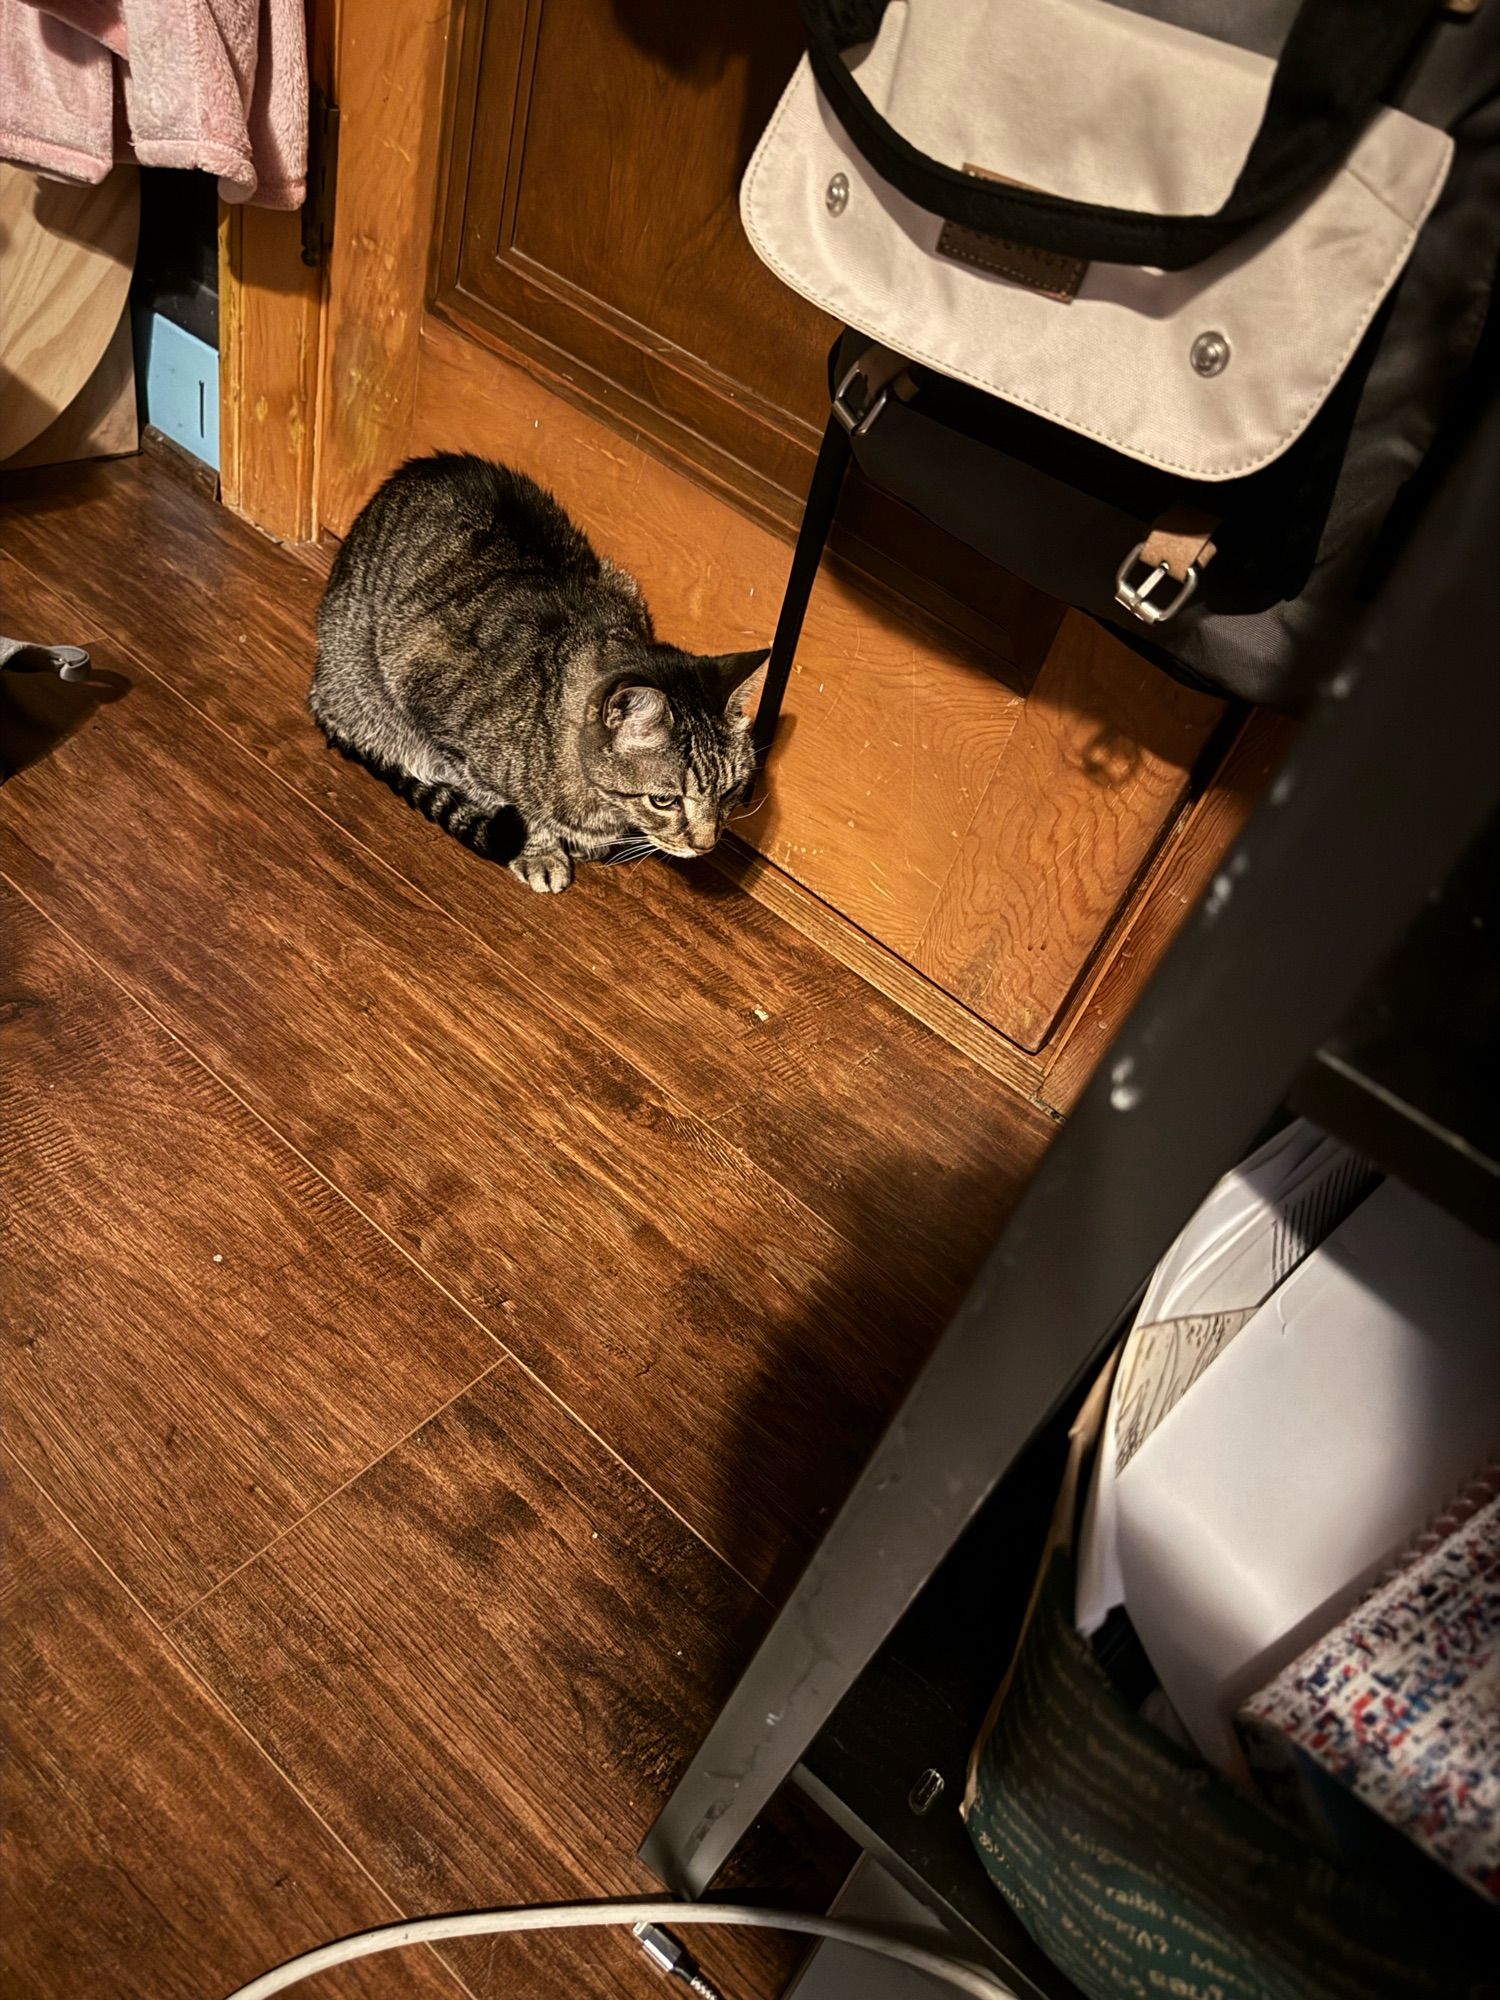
column 208, row 1339
column 66, row 255
column 270, row 332
column 101, row 420
column 1095, row 771
column 150, row 1848
column 388, row 84
column 1178, row 878
column 877, row 1126
column 441, row 1088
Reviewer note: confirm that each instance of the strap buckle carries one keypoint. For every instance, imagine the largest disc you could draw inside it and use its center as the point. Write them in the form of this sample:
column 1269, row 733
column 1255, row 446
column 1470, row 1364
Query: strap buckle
column 1140, row 599
column 857, row 422
column 881, row 370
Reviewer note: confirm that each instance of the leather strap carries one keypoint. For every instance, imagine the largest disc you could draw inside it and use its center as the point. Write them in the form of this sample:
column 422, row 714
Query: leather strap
column 1180, row 540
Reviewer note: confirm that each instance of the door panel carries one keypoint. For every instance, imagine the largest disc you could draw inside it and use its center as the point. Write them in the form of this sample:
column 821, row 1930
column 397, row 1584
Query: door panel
column 1101, row 758
column 600, row 216
column 690, row 277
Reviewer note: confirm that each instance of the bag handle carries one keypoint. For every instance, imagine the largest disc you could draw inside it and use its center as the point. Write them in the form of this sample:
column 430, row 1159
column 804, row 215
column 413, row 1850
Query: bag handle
column 1339, row 57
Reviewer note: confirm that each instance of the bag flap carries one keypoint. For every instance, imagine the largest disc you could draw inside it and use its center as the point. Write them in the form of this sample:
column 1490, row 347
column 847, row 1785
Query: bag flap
column 1210, row 372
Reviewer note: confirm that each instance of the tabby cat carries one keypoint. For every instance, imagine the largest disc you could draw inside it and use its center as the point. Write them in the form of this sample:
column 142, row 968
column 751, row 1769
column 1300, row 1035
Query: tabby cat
column 476, row 653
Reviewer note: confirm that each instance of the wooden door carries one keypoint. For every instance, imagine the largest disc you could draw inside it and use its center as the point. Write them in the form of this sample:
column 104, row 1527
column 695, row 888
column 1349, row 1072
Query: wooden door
column 537, row 254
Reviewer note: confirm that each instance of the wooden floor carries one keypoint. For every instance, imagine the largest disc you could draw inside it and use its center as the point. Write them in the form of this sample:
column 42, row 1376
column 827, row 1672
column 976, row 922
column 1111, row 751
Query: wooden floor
column 437, row 1321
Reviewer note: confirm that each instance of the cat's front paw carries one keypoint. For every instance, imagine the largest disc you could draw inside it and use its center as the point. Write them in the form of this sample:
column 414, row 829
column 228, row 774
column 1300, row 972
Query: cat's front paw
column 548, row 870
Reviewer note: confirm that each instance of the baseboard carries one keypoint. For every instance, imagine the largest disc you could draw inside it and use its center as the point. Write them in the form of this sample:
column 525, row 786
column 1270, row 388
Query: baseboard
column 878, row 966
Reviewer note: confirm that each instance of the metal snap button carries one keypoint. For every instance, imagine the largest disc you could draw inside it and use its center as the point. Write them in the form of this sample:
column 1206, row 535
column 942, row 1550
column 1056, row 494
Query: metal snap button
column 837, row 197
column 1210, row 354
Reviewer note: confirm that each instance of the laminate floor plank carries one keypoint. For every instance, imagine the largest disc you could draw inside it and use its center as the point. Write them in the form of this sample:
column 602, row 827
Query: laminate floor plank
column 151, row 1851
column 574, row 1254
column 201, row 1339
column 739, row 1353
column 887, row 1132
column 482, row 1663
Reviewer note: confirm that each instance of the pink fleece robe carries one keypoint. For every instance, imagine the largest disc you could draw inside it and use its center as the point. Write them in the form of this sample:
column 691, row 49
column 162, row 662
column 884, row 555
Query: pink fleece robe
column 217, row 84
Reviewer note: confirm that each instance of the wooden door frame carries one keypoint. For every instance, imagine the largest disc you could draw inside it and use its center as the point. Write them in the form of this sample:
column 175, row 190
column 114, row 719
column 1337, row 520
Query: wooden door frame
column 318, row 366
column 271, row 313
column 272, row 323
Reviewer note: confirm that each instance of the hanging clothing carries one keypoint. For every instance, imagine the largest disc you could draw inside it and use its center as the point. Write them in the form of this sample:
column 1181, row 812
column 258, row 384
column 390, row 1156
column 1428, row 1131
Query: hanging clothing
column 215, row 84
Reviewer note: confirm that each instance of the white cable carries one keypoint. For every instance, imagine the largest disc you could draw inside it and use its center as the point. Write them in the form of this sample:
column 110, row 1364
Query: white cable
column 969, row 1979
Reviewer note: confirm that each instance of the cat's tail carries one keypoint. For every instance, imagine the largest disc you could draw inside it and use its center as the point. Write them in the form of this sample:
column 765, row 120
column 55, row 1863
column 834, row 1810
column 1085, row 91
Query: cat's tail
column 499, row 836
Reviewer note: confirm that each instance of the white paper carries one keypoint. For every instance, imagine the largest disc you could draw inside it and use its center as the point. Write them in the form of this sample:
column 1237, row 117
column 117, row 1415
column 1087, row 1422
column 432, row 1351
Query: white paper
column 1348, row 1409
column 1251, row 1232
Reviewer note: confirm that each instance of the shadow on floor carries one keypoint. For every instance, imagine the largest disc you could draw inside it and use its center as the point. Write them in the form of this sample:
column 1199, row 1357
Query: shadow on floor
column 39, row 710
column 833, row 1382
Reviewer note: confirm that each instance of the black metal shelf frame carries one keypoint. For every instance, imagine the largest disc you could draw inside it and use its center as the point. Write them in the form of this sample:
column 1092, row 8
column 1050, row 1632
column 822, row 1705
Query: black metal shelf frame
column 1390, row 780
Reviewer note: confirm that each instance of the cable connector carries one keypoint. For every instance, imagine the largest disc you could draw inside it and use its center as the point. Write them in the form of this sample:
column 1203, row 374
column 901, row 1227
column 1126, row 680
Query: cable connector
column 667, row 1953
column 672, row 1957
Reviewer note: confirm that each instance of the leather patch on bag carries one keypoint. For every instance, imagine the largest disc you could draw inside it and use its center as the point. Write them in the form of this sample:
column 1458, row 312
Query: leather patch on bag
column 1041, row 271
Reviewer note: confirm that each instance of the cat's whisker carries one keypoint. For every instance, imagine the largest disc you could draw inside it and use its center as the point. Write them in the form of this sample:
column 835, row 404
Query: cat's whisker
column 748, row 812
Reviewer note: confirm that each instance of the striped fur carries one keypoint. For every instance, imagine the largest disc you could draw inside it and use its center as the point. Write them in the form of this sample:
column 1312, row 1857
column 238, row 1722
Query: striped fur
column 476, row 653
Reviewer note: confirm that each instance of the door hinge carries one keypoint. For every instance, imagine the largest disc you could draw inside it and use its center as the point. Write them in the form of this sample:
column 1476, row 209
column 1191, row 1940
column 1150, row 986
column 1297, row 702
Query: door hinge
column 322, row 177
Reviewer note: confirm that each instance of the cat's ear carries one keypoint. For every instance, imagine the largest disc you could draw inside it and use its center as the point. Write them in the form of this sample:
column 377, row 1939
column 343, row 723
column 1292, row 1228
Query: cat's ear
column 637, row 715
column 741, row 676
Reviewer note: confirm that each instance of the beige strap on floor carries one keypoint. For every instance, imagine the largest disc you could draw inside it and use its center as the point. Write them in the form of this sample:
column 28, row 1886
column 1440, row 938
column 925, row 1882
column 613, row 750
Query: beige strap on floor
column 1181, row 540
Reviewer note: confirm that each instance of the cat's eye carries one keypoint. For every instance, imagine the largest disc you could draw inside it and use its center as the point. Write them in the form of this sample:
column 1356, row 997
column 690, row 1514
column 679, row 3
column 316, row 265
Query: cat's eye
column 663, row 801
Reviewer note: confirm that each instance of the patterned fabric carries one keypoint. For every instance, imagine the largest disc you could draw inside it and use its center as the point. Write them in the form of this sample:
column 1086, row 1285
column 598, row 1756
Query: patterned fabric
column 1401, row 1701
